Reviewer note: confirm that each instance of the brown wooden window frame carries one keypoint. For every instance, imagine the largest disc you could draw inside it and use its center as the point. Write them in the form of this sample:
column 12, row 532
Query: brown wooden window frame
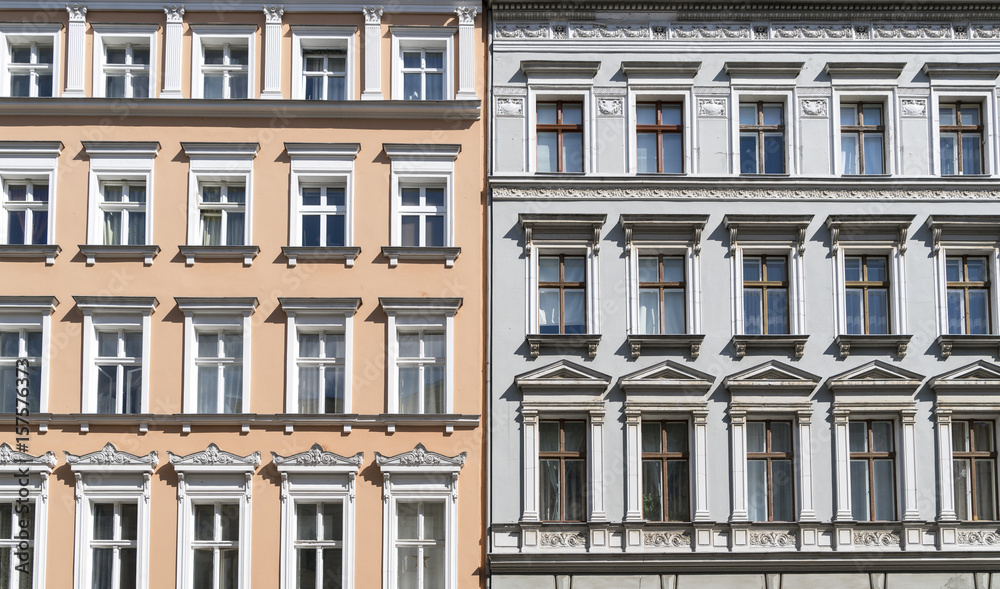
column 860, row 129
column 973, row 456
column 764, row 284
column 761, row 129
column 871, row 456
column 562, row 455
column 661, row 284
column 966, row 285
column 769, row 455
column 958, row 128
column 663, row 457
column 563, row 286
column 659, row 129
column 559, row 128
column 864, row 284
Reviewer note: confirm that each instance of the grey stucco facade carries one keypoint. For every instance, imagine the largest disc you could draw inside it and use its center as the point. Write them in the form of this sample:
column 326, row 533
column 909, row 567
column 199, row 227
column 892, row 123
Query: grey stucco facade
column 717, row 377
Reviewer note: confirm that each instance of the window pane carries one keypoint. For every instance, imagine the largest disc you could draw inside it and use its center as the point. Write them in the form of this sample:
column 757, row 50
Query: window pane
column 651, row 437
column 306, row 575
column 572, row 114
column 748, row 153
column 410, row 230
column 777, row 310
column 232, row 345
column 977, row 269
column 305, row 514
column 434, row 389
column 782, row 485
column 107, row 389
column 140, row 55
column 336, row 89
column 40, row 193
column 773, row 114
column 335, row 232
column 234, row 229
column 9, row 344
column 774, row 153
column 45, row 84
column 332, row 568
column 885, row 500
column 434, row 86
column 646, row 153
column 648, row 269
column 434, row 231
column 572, row 152
column 645, row 114
column 677, row 436
column 678, row 505
column 102, row 575
column 979, row 312
column 963, row 492
column 212, row 228
column 113, row 228
column 204, row 522
column 947, row 115
column 872, row 114
column 574, row 319
column 114, row 86
column 848, row 114
column 309, row 389
column 781, row 436
column 433, row 521
column 876, row 269
column 573, row 269
column 673, row 269
column 858, row 436
column 233, row 382
column 652, row 490
column 239, row 56
column 985, row 490
column 310, row 230
column 671, row 114
column 229, row 516
column 757, row 490
column 852, row 269
column 549, row 490
column 748, row 114
column 333, row 521
column 547, row 113
column 855, row 311
column 954, row 269
column 203, row 569
column 129, row 521
column 949, row 153
column 238, row 86
column 334, row 391
column 229, row 567
column 107, row 344
column 873, row 154
column 547, row 151
column 576, row 494
column 878, row 311
column 970, row 115
column 756, row 436
column 776, row 269
column 574, row 436
column 409, row 568
column 213, row 86
column 649, row 311
column 434, row 197
column 881, row 436
column 548, row 310
column 208, row 389
column 409, row 389
column 132, row 403
column 753, row 314
column 136, row 228
column 859, row 490
column 959, row 436
column 411, row 86
column 314, row 88
column 104, row 521
column 983, row 432
column 548, row 436
column 673, row 153
column 972, row 158
column 434, row 345
column 673, row 311
column 20, row 85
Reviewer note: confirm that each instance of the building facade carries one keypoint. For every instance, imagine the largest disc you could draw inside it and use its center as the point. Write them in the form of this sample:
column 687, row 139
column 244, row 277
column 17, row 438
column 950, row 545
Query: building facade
column 744, row 313
column 242, row 306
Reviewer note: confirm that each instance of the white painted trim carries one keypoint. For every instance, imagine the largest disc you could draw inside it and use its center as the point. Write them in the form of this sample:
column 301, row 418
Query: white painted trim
column 891, row 146
column 336, row 169
column 236, row 168
column 105, row 34
column 737, row 423
column 373, row 53
column 549, row 92
column 173, row 52
column 305, row 37
column 119, row 166
column 425, row 170
column 14, row 166
column 215, row 34
column 788, row 98
column 13, row 318
column 897, row 282
column 272, row 52
column 112, row 315
column 213, row 319
column 988, row 249
column 467, row 59
column 31, row 32
column 404, row 38
column 796, row 282
column 989, row 114
column 76, row 52
column 573, row 247
column 37, row 494
column 106, row 487
column 842, row 474
column 341, row 321
column 684, row 93
column 432, row 317
column 692, row 282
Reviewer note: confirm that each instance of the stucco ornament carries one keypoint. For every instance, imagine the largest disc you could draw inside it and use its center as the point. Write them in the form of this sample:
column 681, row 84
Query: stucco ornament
column 980, row 538
column 317, row 456
column 420, row 456
column 520, row 32
column 912, row 31
column 466, row 15
column 111, row 456
column 914, row 107
column 772, row 539
column 813, row 32
column 712, row 107
column 815, row 107
column 10, row 456
column 564, row 540
column 711, row 32
column 373, row 14
column 876, row 539
column 667, row 539
column 610, row 106
column 510, row 107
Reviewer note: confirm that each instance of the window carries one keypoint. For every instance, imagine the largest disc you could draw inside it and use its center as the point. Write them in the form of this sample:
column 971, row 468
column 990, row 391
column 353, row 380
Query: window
column 562, row 294
column 17, row 346
column 321, row 200
column 223, row 214
column 26, row 204
column 765, row 294
column 422, row 216
column 423, row 74
column 15, row 517
column 420, row 519
column 762, row 138
column 661, row 294
column 422, row 363
column 961, row 138
column 216, row 353
column 665, row 471
column 222, row 61
column 873, row 466
column 659, row 137
column 867, row 294
column 220, row 371
column 123, row 208
column 31, row 68
column 119, row 372
column 213, row 518
column 968, row 294
column 862, row 135
column 126, row 72
column 216, row 545
column 560, row 136
column 113, row 547
column 319, row 543
column 562, row 464
column 322, row 62
column 321, row 371
column 420, row 544
column 974, row 460
column 770, row 479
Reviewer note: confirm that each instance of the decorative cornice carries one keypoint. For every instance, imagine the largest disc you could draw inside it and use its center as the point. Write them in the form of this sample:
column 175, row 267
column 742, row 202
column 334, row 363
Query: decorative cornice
column 749, row 193
column 420, row 457
column 317, row 457
column 11, row 457
column 214, row 457
column 109, row 456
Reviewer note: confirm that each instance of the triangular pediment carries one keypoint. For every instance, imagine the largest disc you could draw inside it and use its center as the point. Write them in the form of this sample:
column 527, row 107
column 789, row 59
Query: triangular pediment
column 562, row 373
column 876, row 371
column 978, row 383
column 775, row 373
column 667, row 376
column 979, row 370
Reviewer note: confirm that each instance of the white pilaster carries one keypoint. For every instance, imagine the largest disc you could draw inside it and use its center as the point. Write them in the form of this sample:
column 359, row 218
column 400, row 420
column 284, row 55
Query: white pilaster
column 531, row 488
column 76, row 49
column 843, row 458
column 373, row 53
column 466, row 53
column 946, row 475
column 738, row 420
column 596, row 465
column 910, row 510
column 807, row 512
column 272, row 51
column 701, row 513
column 173, row 50
column 633, row 462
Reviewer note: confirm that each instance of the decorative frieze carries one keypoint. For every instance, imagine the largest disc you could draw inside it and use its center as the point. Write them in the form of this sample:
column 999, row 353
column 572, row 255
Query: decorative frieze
column 979, row 538
column 985, row 31
column 709, row 32
column 563, row 540
column 815, row 107
column 875, row 538
column 666, row 539
column 512, row 192
column 772, row 540
column 912, row 32
column 812, row 32
column 913, row 107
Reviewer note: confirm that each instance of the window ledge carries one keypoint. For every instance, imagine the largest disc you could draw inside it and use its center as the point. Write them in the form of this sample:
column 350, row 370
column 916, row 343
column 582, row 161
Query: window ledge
column 219, row 252
column 31, row 252
column 563, row 341
column 845, row 342
column 321, row 254
column 146, row 253
column 682, row 340
column 948, row 341
column 795, row 341
column 397, row 253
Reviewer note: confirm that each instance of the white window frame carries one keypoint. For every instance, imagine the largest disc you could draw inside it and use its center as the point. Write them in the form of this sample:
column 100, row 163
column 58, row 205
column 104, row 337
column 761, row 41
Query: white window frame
column 28, row 207
column 30, row 161
column 683, row 95
column 785, row 97
column 552, row 93
column 32, row 313
column 108, row 476
column 114, row 162
column 964, row 236
column 217, row 163
column 307, row 315
column 419, row 312
column 17, row 34
column 422, row 165
column 890, row 121
column 419, row 475
column 213, row 476
column 101, row 314
column 212, row 315
column 971, row 91
column 306, row 38
column 423, row 38
column 114, row 35
column 316, row 476
column 13, row 465
column 212, row 36
column 423, row 211
column 329, row 164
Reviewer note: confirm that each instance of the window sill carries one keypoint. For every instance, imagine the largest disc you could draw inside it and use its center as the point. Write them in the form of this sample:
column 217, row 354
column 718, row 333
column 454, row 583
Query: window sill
column 219, row 252
column 30, row 252
column 683, row 340
column 321, row 254
column 146, row 253
column 980, row 342
column 563, row 341
column 846, row 342
column 796, row 342
column 396, row 253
